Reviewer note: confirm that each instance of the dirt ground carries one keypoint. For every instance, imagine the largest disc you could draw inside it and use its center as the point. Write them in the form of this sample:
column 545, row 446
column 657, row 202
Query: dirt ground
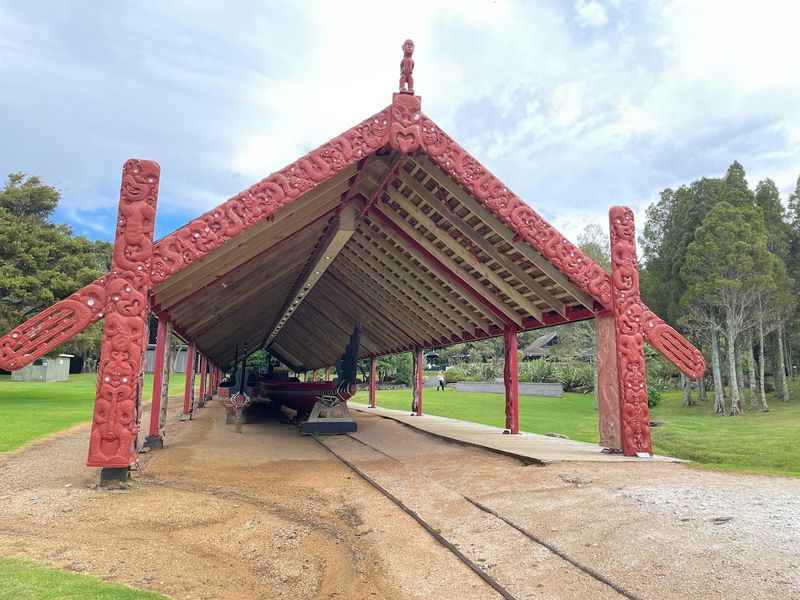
column 270, row 514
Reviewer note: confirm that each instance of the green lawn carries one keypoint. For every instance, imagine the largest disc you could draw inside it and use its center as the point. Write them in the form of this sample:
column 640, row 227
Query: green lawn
column 26, row 580
column 755, row 442
column 32, row 410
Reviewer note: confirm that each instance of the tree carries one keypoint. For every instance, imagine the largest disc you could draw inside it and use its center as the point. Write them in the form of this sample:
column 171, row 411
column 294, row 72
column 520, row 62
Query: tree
column 40, row 262
column 727, row 267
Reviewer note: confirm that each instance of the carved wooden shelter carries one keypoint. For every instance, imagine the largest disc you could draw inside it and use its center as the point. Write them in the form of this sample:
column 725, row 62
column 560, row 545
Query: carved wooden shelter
column 391, row 224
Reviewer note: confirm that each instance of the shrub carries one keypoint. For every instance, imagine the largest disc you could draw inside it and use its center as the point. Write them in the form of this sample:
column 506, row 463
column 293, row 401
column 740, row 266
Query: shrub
column 537, row 371
column 578, row 377
column 654, row 393
column 454, row 375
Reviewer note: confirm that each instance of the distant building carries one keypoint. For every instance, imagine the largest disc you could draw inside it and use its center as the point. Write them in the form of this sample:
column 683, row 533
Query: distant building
column 541, row 347
column 178, row 359
column 45, row 369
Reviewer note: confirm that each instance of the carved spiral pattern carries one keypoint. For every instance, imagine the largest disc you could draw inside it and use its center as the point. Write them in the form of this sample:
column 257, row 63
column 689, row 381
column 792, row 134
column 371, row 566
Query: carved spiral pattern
column 209, row 231
column 628, row 317
column 53, row 326
column 115, row 425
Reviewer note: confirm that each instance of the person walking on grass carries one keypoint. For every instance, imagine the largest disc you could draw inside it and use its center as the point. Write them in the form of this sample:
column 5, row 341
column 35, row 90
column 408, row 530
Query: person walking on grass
column 442, row 382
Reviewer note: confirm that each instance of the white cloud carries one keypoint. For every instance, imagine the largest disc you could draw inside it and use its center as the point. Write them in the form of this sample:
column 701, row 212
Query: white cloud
column 573, row 120
column 590, row 13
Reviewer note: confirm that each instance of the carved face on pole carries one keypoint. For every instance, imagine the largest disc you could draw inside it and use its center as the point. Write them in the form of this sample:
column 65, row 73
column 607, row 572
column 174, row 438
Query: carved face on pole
column 408, row 48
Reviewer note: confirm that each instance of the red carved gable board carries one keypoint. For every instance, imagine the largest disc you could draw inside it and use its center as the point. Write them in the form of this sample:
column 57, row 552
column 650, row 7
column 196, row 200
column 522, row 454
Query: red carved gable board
column 403, row 127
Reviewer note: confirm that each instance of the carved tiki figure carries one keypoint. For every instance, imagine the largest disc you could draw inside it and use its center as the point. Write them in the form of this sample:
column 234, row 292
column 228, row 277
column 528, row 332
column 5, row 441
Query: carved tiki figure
column 407, row 68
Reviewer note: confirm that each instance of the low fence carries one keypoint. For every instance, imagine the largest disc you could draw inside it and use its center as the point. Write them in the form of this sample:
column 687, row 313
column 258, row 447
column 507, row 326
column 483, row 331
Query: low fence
column 551, row 390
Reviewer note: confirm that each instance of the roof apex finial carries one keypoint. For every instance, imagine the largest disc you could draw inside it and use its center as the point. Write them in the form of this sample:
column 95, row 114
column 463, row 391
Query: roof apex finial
column 407, row 68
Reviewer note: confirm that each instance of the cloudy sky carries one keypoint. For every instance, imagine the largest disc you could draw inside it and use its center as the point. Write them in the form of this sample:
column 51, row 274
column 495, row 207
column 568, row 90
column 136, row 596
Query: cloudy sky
column 575, row 105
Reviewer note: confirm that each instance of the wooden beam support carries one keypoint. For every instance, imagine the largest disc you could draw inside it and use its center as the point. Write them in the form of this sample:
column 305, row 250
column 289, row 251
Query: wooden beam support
column 373, row 382
column 389, row 253
column 423, row 324
column 461, row 252
column 421, row 303
column 483, row 244
column 331, row 244
column 446, row 266
column 511, row 380
column 494, row 223
column 188, row 386
column 398, row 331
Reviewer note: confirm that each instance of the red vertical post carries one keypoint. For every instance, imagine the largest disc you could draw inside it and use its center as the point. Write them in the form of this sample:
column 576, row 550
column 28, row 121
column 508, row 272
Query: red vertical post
column 419, row 381
column 154, row 439
column 188, row 388
column 511, row 380
column 203, row 372
column 373, row 382
column 629, row 330
column 115, row 423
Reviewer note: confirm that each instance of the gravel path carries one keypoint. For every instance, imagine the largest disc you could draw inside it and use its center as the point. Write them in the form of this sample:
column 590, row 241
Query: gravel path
column 270, row 514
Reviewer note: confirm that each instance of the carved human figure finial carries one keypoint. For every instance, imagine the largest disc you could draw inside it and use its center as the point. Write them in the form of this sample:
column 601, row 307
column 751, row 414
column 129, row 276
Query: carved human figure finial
column 407, row 68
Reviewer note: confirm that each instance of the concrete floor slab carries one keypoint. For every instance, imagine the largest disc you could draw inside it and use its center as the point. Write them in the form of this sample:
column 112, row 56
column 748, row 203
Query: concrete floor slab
column 531, row 447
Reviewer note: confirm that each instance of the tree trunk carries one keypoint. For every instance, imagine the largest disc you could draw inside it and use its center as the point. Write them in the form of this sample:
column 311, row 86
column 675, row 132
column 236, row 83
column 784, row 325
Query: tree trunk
column 782, row 366
column 736, row 403
column 761, row 383
column 740, row 371
column 702, row 385
column 751, row 367
column 719, row 398
column 686, row 385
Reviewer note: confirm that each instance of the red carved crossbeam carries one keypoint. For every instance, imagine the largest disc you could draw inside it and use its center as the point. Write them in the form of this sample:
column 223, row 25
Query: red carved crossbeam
column 115, row 424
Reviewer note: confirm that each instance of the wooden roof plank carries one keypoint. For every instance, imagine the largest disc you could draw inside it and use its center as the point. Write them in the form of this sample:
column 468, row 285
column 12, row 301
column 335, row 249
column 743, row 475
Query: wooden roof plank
column 498, row 226
column 482, row 243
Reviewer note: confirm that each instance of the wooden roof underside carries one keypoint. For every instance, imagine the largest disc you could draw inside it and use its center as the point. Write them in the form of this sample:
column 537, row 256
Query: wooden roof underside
column 425, row 264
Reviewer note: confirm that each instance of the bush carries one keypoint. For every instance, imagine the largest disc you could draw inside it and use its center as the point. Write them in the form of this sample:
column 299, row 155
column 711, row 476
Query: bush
column 537, row 371
column 578, row 377
column 654, row 393
column 454, row 375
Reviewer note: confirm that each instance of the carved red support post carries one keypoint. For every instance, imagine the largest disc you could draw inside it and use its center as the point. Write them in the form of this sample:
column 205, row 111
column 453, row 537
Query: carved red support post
column 373, row 381
column 201, row 402
column 629, row 314
column 188, row 387
column 115, row 425
column 511, row 380
column 607, row 392
column 160, row 372
column 419, row 381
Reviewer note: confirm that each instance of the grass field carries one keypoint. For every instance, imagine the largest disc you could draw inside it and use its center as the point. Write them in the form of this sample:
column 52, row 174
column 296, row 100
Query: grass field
column 32, row 410
column 26, row 580
column 755, row 442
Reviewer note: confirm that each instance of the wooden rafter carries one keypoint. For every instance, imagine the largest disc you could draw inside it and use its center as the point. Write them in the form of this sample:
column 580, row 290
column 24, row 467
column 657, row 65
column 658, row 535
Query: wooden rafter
column 330, row 245
column 487, row 248
column 421, row 325
column 446, row 265
column 418, row 305
column 506, row 234
column 469, row 260
column 422, row 278
column 327, row 296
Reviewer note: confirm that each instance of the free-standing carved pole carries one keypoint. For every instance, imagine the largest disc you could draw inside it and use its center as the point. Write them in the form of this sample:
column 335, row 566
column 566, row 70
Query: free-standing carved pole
column 115, row 424
column 629, row 329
